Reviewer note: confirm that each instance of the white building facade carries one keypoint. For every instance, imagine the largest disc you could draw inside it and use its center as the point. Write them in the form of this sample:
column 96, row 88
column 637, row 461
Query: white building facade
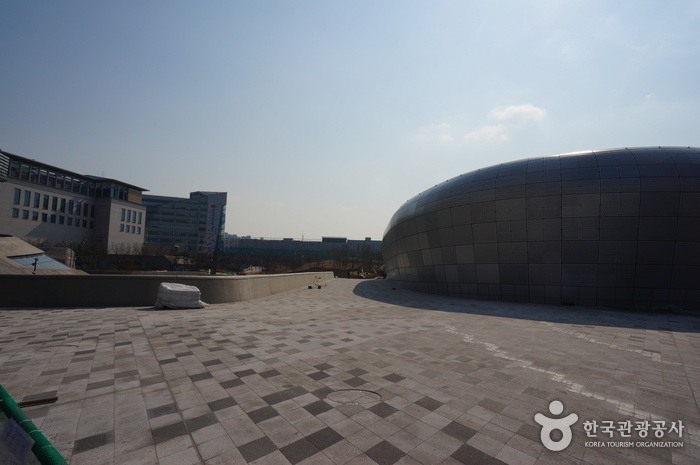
column 40, row 202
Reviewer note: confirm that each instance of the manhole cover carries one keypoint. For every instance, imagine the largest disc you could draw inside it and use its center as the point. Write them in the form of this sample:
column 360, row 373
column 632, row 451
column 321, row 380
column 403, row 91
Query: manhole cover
column 354, row 397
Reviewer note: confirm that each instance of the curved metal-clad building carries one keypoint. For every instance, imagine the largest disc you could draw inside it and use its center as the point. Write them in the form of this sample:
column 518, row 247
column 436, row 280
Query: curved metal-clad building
column 615, row 228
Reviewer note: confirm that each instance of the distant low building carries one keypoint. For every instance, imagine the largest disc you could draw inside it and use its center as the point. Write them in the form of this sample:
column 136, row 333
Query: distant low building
column 45, row 203
column 338, row 249
column 193, row 225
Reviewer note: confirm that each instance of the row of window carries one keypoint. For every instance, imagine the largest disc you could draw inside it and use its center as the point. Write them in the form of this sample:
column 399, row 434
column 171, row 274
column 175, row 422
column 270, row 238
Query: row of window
column 131, row 216
column 60, row 204
column 68, row 220
column 39, row 174
column 127, row 228
column 53, row 218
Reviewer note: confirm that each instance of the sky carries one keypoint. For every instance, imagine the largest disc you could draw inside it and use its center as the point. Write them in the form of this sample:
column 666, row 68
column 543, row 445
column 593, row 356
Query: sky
column 321, row 118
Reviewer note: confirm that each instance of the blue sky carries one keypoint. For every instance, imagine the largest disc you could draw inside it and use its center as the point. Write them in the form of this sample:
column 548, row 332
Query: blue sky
column 320, row 118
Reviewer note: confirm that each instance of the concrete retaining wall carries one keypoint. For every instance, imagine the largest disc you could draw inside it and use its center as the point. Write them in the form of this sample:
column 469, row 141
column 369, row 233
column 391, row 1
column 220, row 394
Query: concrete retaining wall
column 140, row 290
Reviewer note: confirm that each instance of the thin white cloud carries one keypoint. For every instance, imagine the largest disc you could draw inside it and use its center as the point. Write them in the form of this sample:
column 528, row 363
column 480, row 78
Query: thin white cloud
column 509, row 118
column 525, row 112
column 441, row 133
column 490, row 133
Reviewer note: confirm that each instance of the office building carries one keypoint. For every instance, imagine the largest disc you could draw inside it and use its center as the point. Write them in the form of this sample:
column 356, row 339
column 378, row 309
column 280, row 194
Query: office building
column 193, row 225
column 43, row 203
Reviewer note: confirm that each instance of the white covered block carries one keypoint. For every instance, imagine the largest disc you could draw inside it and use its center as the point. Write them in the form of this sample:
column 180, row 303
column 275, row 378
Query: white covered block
column 176, row 295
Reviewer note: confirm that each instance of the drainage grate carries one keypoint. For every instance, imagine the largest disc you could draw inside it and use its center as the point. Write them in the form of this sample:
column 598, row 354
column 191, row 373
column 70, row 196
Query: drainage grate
column 354, row 397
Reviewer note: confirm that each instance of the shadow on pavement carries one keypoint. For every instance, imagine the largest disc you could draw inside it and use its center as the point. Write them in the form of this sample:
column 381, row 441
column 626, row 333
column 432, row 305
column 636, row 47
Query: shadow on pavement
column 389, row 292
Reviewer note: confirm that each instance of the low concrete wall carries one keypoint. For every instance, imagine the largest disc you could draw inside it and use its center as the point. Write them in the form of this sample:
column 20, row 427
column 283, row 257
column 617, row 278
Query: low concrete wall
column 140, row 290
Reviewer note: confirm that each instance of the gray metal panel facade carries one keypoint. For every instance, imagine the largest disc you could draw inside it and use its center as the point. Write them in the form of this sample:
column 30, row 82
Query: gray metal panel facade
column 615, row 228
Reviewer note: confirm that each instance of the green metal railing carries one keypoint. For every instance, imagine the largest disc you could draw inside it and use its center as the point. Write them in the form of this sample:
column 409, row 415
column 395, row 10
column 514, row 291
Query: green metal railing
column 43, row 451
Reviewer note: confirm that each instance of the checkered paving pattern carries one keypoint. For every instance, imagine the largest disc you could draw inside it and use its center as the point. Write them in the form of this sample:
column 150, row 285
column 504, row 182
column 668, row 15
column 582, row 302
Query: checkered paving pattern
column 453, row 381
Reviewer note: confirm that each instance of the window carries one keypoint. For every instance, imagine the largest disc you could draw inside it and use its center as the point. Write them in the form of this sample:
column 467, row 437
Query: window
column 27, row 198
column 121, row 226
column 15, row 213
column 84, row 223
column 69, row 221
column 44, row 217
column 138, row 230
column 128, row 216
column 25, row 214
column 53, row 218
column 63, row 205
column 18, row 195
column 37, row 199
column 61, row 219
column 54, row 203
column 35, row 216
column 123, row 211
column 92, row 211
column 70, row 207
column 45, row 205
column 85, row 209
column 140, row 214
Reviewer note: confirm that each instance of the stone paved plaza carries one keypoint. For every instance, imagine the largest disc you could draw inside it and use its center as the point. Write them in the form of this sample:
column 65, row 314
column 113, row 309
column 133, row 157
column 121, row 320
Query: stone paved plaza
column 354, row 373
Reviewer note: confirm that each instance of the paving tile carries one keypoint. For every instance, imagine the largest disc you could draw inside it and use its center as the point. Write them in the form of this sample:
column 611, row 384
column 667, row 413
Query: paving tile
column 429, row 403
column 385, row 453
column 202, row 421
column 460, row 381
column 263, row 414
column 459, row 431
column 318, row 407
column 201, row 376
column 467, row 454
column 156, row 412
column 93, row 442
column 299, row 450
column 383, row 409
column 187, row 456
column 221, row 404
column 394, row 378
column 324, row 438
column 168, row 432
